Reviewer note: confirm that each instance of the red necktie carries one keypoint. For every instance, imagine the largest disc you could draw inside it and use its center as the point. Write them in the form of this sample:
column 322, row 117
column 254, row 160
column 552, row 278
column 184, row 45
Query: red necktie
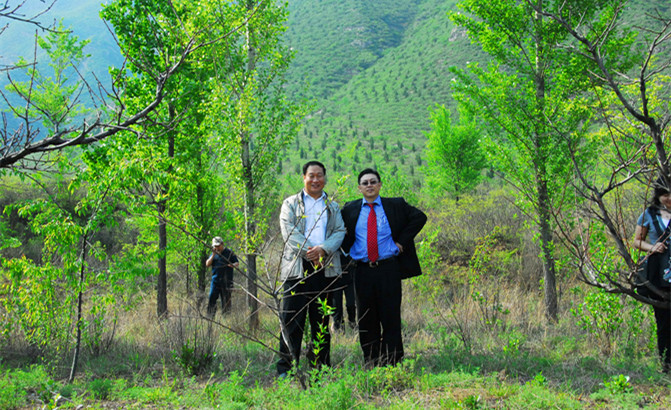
column 372, row 235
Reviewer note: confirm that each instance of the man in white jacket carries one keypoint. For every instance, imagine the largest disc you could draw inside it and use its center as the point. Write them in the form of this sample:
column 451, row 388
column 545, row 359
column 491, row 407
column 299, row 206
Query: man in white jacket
column 312, row 229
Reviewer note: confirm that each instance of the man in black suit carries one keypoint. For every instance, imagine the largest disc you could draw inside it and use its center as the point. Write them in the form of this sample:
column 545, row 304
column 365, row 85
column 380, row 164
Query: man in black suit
column 380, row 238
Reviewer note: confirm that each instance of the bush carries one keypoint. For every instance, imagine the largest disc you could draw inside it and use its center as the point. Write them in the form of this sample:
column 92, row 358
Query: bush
column 17, row 385
column 100, row 388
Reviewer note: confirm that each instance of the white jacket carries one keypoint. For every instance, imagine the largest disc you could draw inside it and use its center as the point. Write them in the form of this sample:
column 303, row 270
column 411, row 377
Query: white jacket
column 292, row 224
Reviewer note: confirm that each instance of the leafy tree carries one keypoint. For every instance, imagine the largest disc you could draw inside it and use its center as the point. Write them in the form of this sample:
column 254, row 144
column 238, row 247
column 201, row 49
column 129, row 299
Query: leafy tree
column 454, row 158
column 25, row 146
column 633, row 103
column 55, row 96
column 524, row 97
column 175, row 158
column 254, row 121
column 45, row 300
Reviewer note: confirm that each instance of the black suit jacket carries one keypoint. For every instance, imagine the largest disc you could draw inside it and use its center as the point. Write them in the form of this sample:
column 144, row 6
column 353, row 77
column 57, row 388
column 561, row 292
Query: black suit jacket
column 405, row 222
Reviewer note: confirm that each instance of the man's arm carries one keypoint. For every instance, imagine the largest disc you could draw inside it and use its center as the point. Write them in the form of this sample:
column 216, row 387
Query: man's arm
column 209, row 260
column 233, row 261
column 289, row 227
column 333, row 241
column 416, row 219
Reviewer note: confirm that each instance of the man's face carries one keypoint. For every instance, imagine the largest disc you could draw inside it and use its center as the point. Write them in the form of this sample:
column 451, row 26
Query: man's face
column 314, row 181
column 218, row 248
column 370, row 186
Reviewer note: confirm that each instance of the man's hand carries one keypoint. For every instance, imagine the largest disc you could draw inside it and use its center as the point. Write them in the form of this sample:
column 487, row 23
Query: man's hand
column 399, row 246
column 315, row 254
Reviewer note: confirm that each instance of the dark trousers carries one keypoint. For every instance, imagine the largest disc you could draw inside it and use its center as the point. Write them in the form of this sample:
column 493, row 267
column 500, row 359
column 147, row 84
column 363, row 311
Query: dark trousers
column 220, row 288
column 378, row 299
column 663, row 320
column 301, row 298
column 344, row 287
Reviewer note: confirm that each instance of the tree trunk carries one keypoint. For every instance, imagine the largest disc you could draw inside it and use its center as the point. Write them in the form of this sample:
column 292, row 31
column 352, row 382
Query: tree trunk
column 162, row 282
column 202, row 253
column 542, row 147
column 80, row 303
column 549, row 275
column 250, row 202
column 252, row 290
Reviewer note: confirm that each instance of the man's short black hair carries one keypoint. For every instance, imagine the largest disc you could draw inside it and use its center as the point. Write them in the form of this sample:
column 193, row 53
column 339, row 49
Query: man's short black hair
column 368, row 171
column 311, row 163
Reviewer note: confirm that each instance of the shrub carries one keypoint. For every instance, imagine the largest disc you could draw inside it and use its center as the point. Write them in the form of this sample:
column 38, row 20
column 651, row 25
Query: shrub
column 100, row 388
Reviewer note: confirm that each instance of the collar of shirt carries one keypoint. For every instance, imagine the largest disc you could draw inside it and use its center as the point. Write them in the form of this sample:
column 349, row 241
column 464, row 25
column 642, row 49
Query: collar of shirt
column 386, row 246
column 378, row 201
column 308, row 199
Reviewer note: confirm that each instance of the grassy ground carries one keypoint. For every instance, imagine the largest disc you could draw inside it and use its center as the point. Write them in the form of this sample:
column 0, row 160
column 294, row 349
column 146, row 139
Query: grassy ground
column 462, row 352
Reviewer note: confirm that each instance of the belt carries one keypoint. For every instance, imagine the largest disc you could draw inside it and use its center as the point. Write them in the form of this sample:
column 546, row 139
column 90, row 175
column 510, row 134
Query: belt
column 376, row 264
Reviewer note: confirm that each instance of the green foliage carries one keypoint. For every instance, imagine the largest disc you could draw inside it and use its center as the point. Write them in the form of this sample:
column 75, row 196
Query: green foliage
column 618, row 384
column 323, row 331
column 514, row 341
column 454, row 157
column 472, row 402
column 54, row 98
column 429, row 283
column 538, row 380
column 6, row 235
column 232, row 393
column 388, row 379
column 607, row 318
column 486, row 264
column 100, row 388
column 618, row 393
column 15, row 385
column 193, row 360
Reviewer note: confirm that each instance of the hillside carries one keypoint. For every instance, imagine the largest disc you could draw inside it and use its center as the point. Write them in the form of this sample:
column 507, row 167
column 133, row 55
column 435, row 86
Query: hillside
column 336, row 40
column 384, row 106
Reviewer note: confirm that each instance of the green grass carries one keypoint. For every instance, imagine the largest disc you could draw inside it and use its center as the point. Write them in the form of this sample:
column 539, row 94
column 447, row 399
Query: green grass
column 551, row 367
column 405, row 386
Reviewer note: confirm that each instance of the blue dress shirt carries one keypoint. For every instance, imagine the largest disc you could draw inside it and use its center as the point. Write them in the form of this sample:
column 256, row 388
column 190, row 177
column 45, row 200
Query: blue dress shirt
column 385, row 243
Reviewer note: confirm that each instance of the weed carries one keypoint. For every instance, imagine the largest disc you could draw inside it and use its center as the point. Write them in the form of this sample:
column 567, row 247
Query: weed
column 488, row 262
column 618, row 393
column 100, row 388
column 472, row 402
column 538, row 380
column 16, row 386
column 514, row 343
column 600, row 315
column 192, row 360
column 386, row 379
column 618, row 384
column 10, row 394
